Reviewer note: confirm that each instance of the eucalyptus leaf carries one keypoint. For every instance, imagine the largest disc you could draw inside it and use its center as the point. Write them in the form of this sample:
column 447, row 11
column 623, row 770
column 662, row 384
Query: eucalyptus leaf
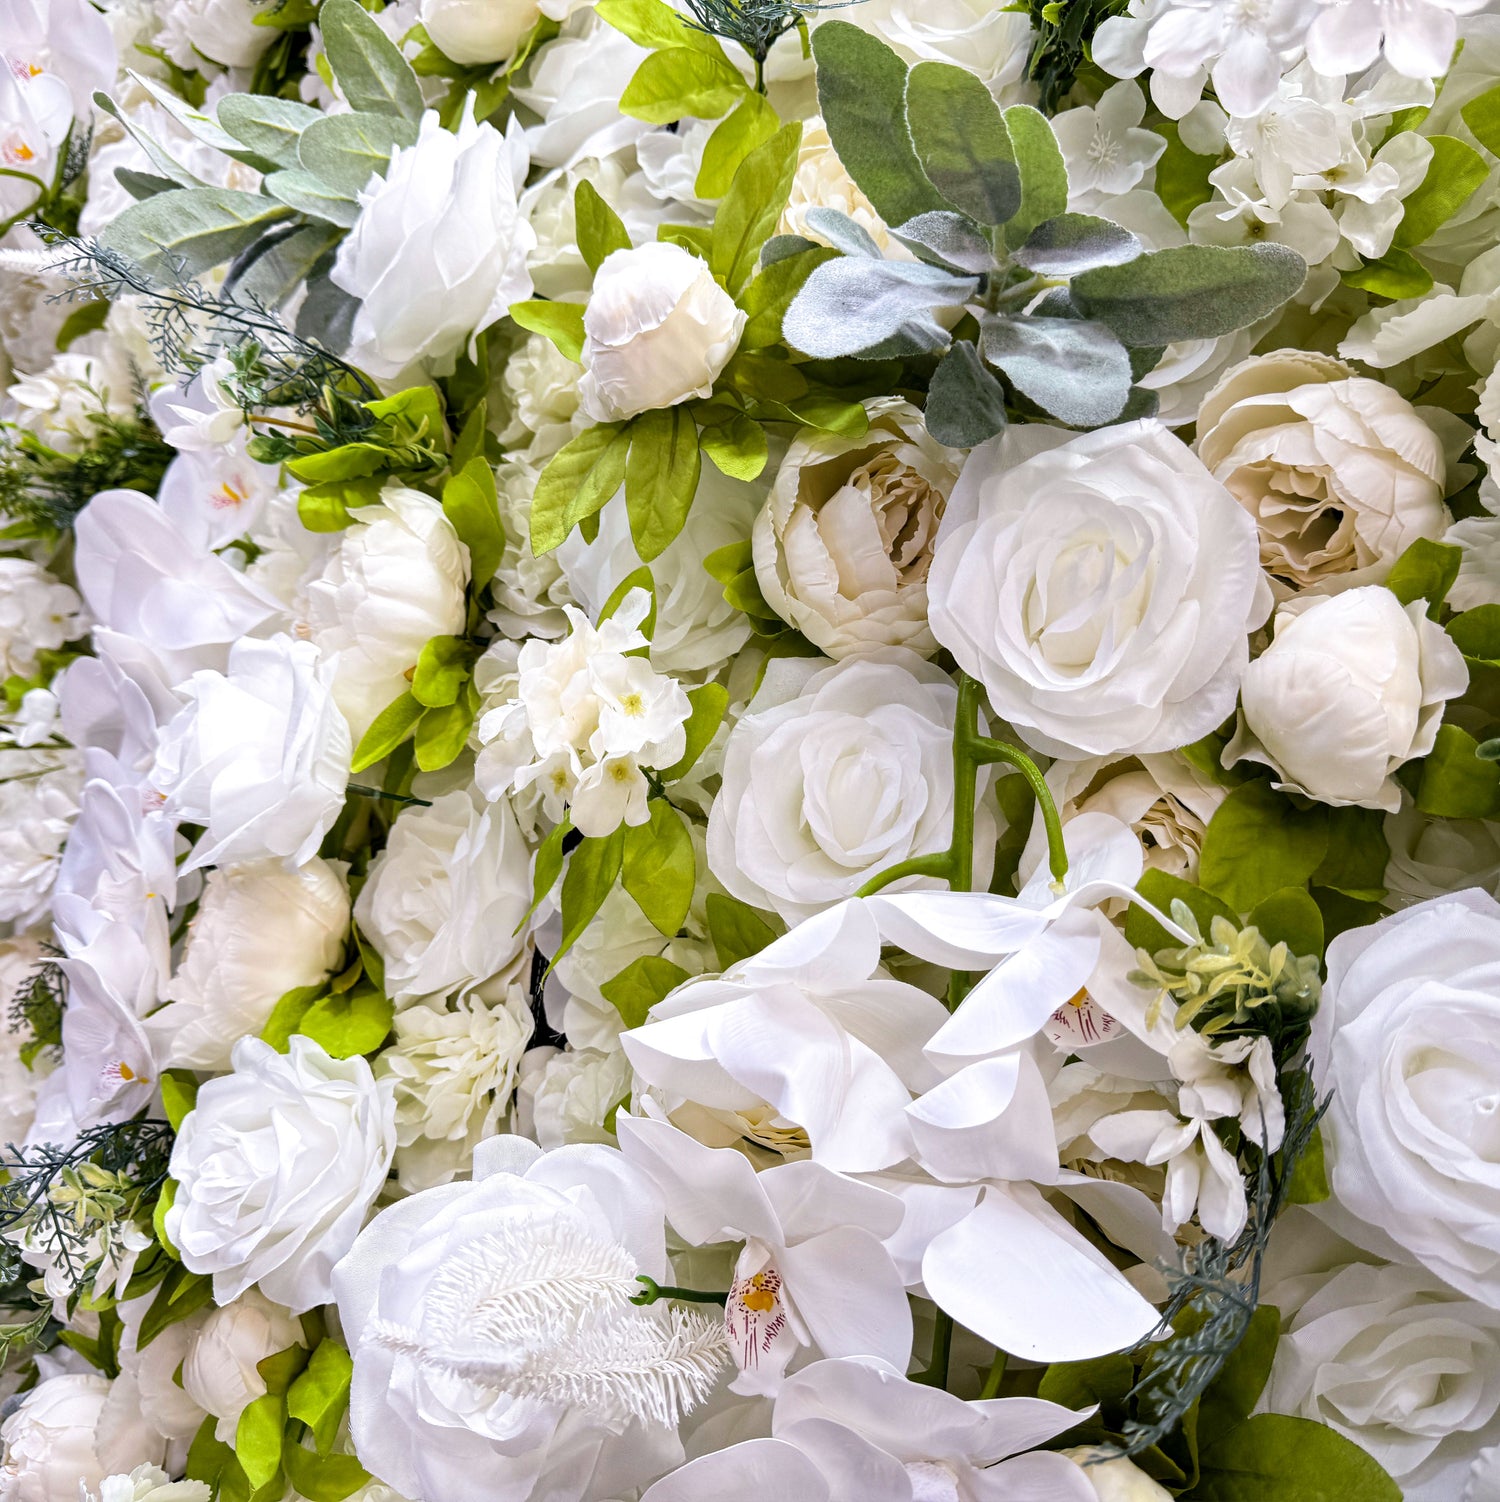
column 852, row 305
column 948, row 239
column 961, row 141
column 143, row 184
column 1077, row 370
column 268, row 126
column 273, row 278
column 191, row 230
column 965, row 403
column 346, row 151
column 368, row 66
column 1075, row 242
column 200, row 126
column 160, row 158
column 312, row 196
column 327, row 313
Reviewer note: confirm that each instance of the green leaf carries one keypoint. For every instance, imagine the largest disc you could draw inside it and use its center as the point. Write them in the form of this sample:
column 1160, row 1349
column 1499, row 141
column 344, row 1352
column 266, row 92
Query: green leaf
column 1189, row 291
column 164, row 1202
column 368, row 66
column 961, row 141
column 659, row 868
column 1457, row 783
column 1181, row 175
column 1232, row 1397
column 561, row 322
column 443, row 732
column 444, row 665
column 751, row 122
column 1425, row 571
column 312, row 196
column 1358, row 854
column 654, row 24
column 269, row 126
column 328, row 1478
column 345, row 151
column 1161, row 889
column 1080, row 1384
column 737, row 930
column 579, row 478
column 257, row 1438
column 471, row 504
column 766, row 298
column 84, row 318
column 1075, row 369
column 1291, row 917
column 592, row 869
column 709, row 703
column 280, row 270
column 682, row 81
column 1044, row 177
column 640, row 985
column 1397, row 274
column 748, row 212
column 965, row 403
column 279, row 1370
column 320, row 1396
column 179, row 1094
column 178, row 1295
column 599, row 230
column 1309, row 1182
column 191, row 230
column 206, row 1455
column 546, row 868
column 1257, row 842
column 286, row 1016
column 388, row 729
column 1075, row 242
column 413, row 413
column 862, row 98
column 735, row 446
column 1291, row 1460
column 327, row 507
column 1476, row 633
column 637, row 579
column 661, row 477
column 349, row 461
column 1453, row 174
column 1482, row 115
column 357, row 1022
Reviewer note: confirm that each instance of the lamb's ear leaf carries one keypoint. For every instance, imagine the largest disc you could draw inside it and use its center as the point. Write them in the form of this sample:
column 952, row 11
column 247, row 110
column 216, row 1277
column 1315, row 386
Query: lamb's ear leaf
column 366, row 64
column 962, row 143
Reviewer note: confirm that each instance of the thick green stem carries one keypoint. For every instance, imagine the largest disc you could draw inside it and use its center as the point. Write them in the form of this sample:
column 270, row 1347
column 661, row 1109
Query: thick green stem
column 939, row 864
column 987, row 751
column 652, row 1291
column 936, row 1374
column 994, row 1377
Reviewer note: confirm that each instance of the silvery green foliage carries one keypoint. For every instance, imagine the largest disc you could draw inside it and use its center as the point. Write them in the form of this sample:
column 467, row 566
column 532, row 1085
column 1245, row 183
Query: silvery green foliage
column 1072, row 309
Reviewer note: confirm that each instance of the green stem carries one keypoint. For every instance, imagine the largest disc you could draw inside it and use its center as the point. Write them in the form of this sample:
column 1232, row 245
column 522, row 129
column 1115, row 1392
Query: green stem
column 936, row 1374
column 937, row 864
column 994, row 1377
column 986, row 751
column 652, row 1291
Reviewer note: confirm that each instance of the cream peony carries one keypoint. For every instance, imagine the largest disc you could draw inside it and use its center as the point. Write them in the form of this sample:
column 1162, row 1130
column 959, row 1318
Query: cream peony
column 275, row 1168
column 1114, row 1477
column 1340, row 472
column 479, row 31
column 1349, row 690
column 844, row 542
column 658, row 331
column 1102, row 589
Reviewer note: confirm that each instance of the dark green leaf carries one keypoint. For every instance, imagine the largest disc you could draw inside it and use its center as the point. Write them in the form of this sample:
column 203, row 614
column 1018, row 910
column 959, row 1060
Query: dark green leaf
column 1044, row 177
column 1425, row 571
column 1290, row 917
column 179, row 1295
column 547, row 867
column 1161, row 889
column 1358, row 853
column 1080, row 1384
column 1457, row 783
column 1272, row 1456
column 965, row 403
column 737, row 930
column 1257, row 842
column 328, row 1478
column 961, row 141
column 1235, row 1391
column 592, row 870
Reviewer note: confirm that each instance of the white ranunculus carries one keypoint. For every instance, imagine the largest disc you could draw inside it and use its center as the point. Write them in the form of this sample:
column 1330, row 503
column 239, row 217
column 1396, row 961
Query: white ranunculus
column 438, row 252
column 658, row 330
column 1350, row 689
column 833, row 774
column 1431, row 857
column 1115, row 1477
column 37, row 613
column 219, row 1371
column 479, row 31
column 569, row 1096
column 1408, row 1040
column 260, row 931
column 223, row 30
column 395, row 581
column 1102, row 589
column 844, row 542
column 1340, row 472
column 275, row 1168
column 446, row 895
column 258, row 755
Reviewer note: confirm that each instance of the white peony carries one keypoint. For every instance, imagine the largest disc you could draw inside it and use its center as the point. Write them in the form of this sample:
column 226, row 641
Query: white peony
column 258, row 755
column 438, row 252
column 658, row 330
column 1102, row 589
column 479, row 31
column 260, row 931
column 1350, row 689
column 572, row 1096
column 394, row 582
column 844, row 542
column 148, row 1483
column 37, row 614
column 275, row 1168
column 1340, row 472
column 446, row 896
column 220, row 1368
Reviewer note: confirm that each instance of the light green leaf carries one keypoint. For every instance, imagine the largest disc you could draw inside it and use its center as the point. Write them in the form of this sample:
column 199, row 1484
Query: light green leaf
column 1454, row 173
column 766, row 298
column 1457, row 783
column 356, row 1022
column 320, row 1396
column 862, row 98
column 748, row 212
column 345, row 151
column 654, row 24
column 388, row 729
column 446, row 663
column 1181, row 175
column 965, row 403
column 179, row 1094
column 471, row 504
column 268, row 126
column 1075, row 242
column 279, row 1369
column 682, row 81
column 737, row 930
column 659, row 868
column 961, row 141
column 1257, row 842
column 1044, row 177
column 1291, row 1460
column 326, row 506
column 709, row 703
column 191, row 230
column 286, row 1016
column 577, row 481
column 368, row 66
column 561, row 322
column 257, row 1438
column 1397, row 274
column 735, row 446
column 85, row 318
column 1309, row 1184
column 1073, row 368
column 1161, row 889
column 1425, row 571
column 1482, row 115
column 1290, row 916
column 751, row 122
column 547, row 867
column 328, row 1478
column 599, row 230
column 592, row 869
column 640, row 985
column 637, row 579
column 312, row 196
column 443, row 732
column 164, row 1201
column 661, row 477
column 350, row 461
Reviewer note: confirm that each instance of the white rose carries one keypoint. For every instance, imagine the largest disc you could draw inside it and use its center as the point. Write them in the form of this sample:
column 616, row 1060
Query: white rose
column 1340, row 472
column 37, row 613
column 438, row 252
column 1350, row 688
column 1408, row 1040
column 980, row 38
column 446, row 895
column 1115, row 1478
column 844, row 542
column 258, row 755
column 658, row 330
column 275, row 1168
column 395, row 581
column 832, row 775
column 1431, row 857
column 1102, row 590
column 260, row 931
column 222, row 30
column 52, row 1441
column 479, row 31
column 219, row 1371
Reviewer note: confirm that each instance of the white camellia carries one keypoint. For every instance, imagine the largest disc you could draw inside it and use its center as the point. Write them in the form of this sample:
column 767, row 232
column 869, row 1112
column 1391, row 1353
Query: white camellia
column 395, row 581
column 1340, row 472
column 220, row 1368
column 657, row 331
column 1102, row 589
column 260, row 931
column 37, row 613
column 438, row 252
column 275, row 1167
column 1350, row 689
column 258, row 755
column 445, row 897
column 478, row 31
column 1408, row 1040
column 844, row 542
column 833, row 774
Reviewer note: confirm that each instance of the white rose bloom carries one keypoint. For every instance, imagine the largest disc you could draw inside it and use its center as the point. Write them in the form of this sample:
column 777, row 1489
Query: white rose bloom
column 833, row 774
column 1340, row 472
column 1431, row 857
column 222, row 30
column 1408, row 1038
column 569, row 1096
column 1102, row 590
column 260, row 931
column 275, row 1168
column 148, row 1483
column 38, row 804
column 37, row 613
column 980, row 38
column 454, row 1072
column 438, row 252
column 844, row 542
column 395, row 581
column 52, row 1441
column 258, row 755
column 658, row 330
column 479, row 31
column 445, row 897
column 1115, row 1477
column 1350, row 689
column 219, row 1371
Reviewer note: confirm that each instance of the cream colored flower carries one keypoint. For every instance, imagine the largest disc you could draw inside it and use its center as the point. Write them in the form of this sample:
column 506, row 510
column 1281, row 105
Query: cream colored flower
column 821, row 182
